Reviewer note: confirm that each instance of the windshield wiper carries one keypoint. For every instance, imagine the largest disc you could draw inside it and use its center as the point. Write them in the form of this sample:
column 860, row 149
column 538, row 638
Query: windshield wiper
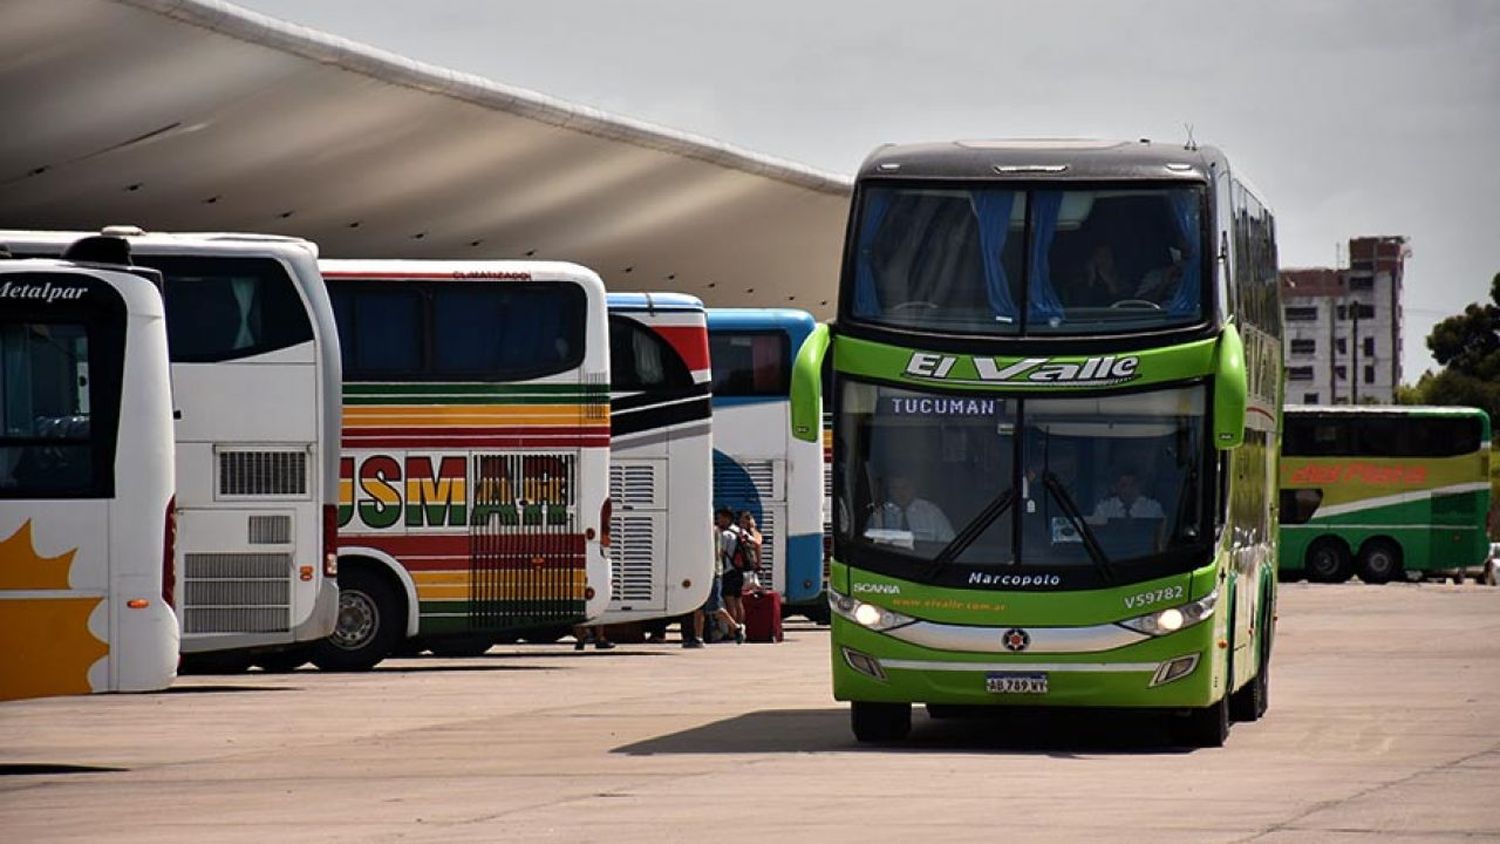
column 971, row 532
column 1086, row 533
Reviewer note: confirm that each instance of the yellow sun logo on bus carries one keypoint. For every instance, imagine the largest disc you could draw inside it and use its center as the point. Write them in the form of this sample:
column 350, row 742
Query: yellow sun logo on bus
column 46, row 647
column 23, row 567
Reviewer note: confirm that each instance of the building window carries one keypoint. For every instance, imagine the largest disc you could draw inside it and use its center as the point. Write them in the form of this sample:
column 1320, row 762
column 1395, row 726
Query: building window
column 1341, row 373
column 1309, row 398
column 1341, row 345
column 1358, row 312
column 1304, row 347
column 1370, row 347
column 1362, row 283
column 1299, row 373
column 1369, row 375
column 1302, row 314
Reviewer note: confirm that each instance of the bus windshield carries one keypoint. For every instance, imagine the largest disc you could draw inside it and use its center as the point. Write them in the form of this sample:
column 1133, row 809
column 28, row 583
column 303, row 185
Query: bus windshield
column 992, row 261
column 943, row 478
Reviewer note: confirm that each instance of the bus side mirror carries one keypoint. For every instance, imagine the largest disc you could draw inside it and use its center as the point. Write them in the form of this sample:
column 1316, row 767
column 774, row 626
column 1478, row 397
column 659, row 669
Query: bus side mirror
column 807, row 386
column 1230, row 390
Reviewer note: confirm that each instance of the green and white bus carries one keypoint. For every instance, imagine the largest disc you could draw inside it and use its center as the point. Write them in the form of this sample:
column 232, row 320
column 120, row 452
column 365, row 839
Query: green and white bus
column 1056, row 372
column 1383, row 491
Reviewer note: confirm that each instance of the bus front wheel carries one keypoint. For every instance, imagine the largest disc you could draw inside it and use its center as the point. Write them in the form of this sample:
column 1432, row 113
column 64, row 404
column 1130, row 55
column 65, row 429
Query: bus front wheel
column 368, row 627
column 1328, row 562
column 877, row 722
column 1206, row 727
column 1379, row 561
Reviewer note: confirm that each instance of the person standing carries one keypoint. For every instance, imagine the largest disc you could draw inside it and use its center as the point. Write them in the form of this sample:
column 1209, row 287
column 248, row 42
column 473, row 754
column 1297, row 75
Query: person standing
column 714, row 606
column 732, row 566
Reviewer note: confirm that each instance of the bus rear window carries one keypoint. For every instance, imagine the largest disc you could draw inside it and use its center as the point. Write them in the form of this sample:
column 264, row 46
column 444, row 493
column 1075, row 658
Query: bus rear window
column 225, row 308
column 59, row 403
column 433, row 331
column 750, row 363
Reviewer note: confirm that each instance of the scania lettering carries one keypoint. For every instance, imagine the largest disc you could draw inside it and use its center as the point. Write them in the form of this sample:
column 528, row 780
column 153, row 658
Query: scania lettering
column 1054, row 386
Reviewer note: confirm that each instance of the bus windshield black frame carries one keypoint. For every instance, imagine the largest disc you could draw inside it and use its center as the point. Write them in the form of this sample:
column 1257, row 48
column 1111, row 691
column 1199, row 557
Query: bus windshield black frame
column 1016, row 302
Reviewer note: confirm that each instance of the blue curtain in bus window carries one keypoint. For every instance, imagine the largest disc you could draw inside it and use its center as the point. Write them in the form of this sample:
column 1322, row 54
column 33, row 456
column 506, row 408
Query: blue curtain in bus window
column 1044, row 306
column 1185, row 302
column 866, row 301
column 993, row 210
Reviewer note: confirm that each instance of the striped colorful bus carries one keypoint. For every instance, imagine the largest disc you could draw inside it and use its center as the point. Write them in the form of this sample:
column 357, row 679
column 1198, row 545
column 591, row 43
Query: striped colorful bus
column 1383, row 491
column 474, row 480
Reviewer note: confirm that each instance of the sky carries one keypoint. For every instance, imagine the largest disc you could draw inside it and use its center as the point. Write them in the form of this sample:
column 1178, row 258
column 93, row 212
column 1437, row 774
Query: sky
column 1350, row 117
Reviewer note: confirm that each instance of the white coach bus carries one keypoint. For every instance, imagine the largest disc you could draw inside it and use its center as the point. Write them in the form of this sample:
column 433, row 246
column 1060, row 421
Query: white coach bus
column 86, row 465
column 256, row 374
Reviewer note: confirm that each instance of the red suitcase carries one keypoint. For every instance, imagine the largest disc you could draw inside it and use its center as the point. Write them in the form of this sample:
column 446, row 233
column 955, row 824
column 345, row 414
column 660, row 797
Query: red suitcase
column 763, row 616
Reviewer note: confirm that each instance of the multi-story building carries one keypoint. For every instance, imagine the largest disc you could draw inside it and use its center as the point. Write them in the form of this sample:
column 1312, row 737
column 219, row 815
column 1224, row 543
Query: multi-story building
column 1343, row 326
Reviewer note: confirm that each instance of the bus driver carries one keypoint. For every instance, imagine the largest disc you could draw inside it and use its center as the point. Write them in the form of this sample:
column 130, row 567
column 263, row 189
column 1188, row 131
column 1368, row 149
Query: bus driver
column 903, row 510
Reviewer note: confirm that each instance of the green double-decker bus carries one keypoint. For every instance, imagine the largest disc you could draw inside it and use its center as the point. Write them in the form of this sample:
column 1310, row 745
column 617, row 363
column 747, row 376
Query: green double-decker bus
column 1055, row 382
column 1384, row 491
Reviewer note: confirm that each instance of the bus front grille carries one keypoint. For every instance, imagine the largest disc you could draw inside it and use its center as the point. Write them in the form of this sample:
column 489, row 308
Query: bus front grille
column 526, row 555
column 237, row 593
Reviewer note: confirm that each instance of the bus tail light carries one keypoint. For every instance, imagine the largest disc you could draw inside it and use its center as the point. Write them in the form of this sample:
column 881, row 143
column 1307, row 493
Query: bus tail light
column 169, row 554
column 330, row 540
column 606, row 511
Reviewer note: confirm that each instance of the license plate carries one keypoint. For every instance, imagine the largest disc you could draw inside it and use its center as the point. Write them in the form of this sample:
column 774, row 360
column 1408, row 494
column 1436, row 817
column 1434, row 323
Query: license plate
column 1015, row 683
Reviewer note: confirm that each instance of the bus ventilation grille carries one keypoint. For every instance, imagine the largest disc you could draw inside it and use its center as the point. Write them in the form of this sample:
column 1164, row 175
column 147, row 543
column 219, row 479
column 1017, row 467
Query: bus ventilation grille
column 256, row 473
column 270, row 530
column 633, row 539
column 237, row 593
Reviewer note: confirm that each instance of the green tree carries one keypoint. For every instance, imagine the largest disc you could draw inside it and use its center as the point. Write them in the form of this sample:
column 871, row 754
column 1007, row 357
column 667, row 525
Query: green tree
column 1468, row 347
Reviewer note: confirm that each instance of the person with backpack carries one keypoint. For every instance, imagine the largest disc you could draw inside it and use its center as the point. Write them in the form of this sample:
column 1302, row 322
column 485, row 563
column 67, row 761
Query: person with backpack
column 732, row 564
column 752, row 544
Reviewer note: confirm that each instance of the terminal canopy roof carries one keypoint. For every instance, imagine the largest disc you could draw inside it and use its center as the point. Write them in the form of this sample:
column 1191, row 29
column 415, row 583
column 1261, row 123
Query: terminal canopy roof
column 194, row 115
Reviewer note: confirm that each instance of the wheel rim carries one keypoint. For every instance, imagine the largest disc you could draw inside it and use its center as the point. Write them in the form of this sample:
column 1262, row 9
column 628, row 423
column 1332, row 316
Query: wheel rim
column 1324, row 562
column 359, row 619
column 1381, row 562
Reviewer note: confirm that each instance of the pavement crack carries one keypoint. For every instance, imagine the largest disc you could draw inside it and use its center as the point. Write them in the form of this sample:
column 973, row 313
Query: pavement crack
column 1323, row 805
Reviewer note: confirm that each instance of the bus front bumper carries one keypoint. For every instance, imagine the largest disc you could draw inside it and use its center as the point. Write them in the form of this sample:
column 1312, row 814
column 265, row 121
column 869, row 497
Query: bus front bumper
column 1179, row 670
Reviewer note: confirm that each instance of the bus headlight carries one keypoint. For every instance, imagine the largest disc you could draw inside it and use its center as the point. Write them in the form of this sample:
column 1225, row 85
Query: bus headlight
column 866, row 615
column 1172, row 619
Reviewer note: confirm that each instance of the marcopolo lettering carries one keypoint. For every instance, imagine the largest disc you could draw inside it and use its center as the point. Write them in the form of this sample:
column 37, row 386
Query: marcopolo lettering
column 44, row 292
column 980, row 578
column 1098, row 371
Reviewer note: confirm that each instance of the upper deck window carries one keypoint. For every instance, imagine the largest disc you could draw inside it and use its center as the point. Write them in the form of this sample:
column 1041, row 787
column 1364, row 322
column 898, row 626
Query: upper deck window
column 1380, row 435
column 225, row 308
column 1042, row 262
column 639, row 359
column 463, row 330
column 750, row 363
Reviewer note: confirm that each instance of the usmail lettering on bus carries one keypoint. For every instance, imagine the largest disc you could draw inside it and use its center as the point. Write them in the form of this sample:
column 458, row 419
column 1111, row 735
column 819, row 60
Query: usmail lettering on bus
column 454, row 490
column 1091, row 371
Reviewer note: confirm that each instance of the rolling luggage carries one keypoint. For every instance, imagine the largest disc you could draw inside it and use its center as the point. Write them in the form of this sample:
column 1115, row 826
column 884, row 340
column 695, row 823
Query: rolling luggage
column 763, row 616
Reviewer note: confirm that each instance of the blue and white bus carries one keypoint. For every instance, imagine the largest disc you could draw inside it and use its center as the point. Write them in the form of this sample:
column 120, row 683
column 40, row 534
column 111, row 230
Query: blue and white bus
column 758, row 465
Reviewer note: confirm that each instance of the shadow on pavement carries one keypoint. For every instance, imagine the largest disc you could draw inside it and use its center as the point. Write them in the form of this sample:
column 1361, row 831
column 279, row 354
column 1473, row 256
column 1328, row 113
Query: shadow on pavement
column 211, row 690
column 1058, row 734
column 36, row 769
column 452, row 668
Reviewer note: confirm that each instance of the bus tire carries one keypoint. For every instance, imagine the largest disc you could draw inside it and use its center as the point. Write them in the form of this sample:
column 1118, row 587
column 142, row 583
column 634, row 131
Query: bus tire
column 1206, row 727
column 369, row 624
column 1379, row 561
column 1252, row 700
column 1327, row 561
column 879, row 722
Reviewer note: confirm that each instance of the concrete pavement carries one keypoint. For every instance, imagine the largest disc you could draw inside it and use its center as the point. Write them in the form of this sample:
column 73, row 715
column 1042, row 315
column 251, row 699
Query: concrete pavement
column 1384, row 722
